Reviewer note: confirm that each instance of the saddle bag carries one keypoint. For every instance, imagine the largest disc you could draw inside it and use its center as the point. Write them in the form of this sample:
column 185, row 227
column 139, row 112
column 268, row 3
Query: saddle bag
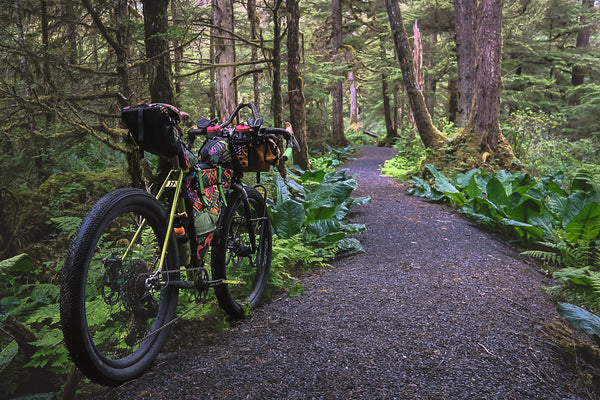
column 154, row 129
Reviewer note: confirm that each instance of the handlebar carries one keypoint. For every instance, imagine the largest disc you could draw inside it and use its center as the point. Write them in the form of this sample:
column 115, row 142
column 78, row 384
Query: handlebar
column 203, row 123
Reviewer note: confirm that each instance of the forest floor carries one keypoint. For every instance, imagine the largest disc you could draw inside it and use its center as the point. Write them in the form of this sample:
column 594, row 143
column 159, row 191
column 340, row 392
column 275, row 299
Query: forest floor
column 435, row 309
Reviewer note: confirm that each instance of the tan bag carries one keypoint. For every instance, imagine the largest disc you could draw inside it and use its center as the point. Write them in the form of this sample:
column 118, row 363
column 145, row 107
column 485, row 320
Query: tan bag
column 256, row 153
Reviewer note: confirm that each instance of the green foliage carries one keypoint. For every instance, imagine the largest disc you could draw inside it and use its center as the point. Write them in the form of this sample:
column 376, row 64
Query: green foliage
column 407, row 161
column 581, row 319
column 34, row 304
column 315, row 203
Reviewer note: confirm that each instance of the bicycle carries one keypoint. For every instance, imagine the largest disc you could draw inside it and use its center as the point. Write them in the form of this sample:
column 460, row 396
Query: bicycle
column 133, row 251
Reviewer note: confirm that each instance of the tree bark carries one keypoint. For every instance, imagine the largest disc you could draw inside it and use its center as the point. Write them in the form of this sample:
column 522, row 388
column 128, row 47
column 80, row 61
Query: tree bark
column 156, row 24
column 430, row 136
column 23, row 60
column 391, row 132
column 583, row 41
column 277, row 100
column 353, row 103
column 122, row 50
column 295, row 83
column 485, row 112
column 337, row 91
column 483, row 144
column 225, row 54
column 430, row 80
column 178, row 53
column 453, row 100
column 253, row 17
column 464, row 17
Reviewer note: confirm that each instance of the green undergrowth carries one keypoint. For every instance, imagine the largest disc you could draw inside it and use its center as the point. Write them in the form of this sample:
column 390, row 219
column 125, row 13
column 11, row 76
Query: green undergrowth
column 308, row 211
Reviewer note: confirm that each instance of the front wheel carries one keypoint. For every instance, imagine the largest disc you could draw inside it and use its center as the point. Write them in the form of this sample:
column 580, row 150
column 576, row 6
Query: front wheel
column 115, row 302
column 242, row 255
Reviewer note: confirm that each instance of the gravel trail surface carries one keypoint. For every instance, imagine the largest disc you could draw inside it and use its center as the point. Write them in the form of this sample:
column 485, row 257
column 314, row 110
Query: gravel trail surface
column 435, row 309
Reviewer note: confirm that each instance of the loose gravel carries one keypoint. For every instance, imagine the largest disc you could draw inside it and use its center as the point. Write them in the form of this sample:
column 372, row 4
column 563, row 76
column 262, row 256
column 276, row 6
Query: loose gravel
column 435, row 309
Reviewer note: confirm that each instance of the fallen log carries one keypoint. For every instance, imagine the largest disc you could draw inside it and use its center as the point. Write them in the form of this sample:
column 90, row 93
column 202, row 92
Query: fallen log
column 371, row 134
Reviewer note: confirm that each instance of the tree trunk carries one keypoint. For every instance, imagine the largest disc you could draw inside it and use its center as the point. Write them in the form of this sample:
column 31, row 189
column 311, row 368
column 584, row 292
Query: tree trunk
column 157, row 51
column 212, row 88
column 24, row 62
column 277, row 100
column 430, row 80
column 453, row 100
column 431, row 137
column 488, row 80
column 337, row 94
column 353, row 103
column 252, row 16
column 390, row 129
column 482, row 133
column 295, row 83
column 122, row 50
column 225, row 57
column 464, row 17
column 583, row 42
column 178, row 53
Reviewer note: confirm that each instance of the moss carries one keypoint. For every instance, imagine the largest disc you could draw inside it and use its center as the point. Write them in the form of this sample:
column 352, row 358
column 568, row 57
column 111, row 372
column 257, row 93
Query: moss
column 464, row 152
column 69, row 194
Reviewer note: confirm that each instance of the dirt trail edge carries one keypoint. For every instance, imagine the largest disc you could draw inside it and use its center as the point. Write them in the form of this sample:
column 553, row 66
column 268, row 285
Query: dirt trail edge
column 435, row 309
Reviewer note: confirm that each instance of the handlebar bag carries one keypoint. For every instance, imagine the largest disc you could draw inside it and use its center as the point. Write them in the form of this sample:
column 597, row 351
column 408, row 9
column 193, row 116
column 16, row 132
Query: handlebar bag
column 215, row 152
column 255, row 153
column 154, row 129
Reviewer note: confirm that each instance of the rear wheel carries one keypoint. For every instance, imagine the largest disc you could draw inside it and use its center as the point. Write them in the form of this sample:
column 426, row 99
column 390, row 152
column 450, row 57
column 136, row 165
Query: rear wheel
column 114, row 301
column 242, row 254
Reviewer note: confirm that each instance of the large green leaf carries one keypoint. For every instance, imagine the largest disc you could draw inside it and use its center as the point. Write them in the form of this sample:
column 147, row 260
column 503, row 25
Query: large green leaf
column 487, row 208
column 461, row 181
column 581, row 319
column 521, row 208
column 330, row 230
column 288, row 190
column 496, row 193
column 315, row 176
column 7, row 354
column 475, row 187
column 526, row 232
column 288, row 218
column 423, row 189
column 348, row 244
column 584, row 226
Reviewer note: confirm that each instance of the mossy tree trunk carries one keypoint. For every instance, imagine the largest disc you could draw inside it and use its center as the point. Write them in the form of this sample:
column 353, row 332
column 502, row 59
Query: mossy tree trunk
column 486, row 145
column 295, row 85
column 337, row 92
column 464, row 26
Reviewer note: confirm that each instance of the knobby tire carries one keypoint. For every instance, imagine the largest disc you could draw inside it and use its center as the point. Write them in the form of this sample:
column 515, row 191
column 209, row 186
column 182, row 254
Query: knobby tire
column 247, row 273
column 108, row 313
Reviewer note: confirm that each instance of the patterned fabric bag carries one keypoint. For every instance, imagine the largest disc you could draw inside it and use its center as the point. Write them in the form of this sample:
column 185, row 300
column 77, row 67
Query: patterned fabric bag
column 215, row 152
column 206, row 188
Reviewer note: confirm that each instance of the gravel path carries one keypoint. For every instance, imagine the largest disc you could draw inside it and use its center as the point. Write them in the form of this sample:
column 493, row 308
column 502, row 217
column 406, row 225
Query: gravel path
column 435, row 309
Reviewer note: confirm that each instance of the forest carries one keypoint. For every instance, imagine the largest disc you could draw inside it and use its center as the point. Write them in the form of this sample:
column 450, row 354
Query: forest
column 492, row 105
